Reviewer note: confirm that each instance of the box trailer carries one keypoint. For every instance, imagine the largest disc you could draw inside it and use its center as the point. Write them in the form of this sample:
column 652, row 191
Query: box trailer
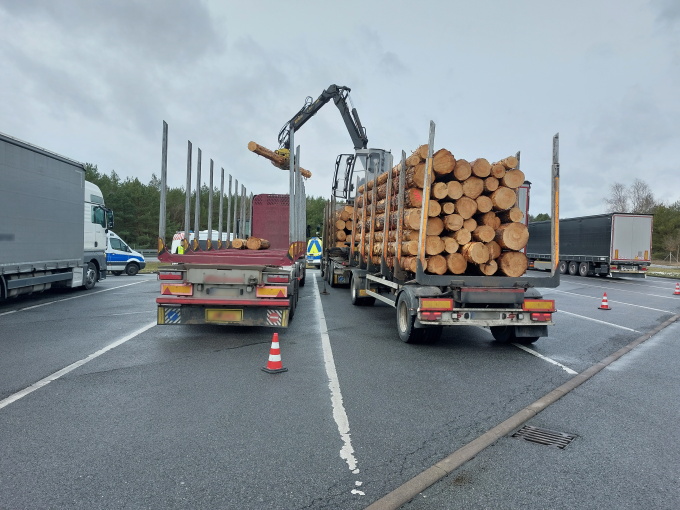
column 616, row 244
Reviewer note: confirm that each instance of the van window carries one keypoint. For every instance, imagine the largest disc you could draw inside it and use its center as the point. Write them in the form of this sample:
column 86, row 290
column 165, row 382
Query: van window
column 117, row 244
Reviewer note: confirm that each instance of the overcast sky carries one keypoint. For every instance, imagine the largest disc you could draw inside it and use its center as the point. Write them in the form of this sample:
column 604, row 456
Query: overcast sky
column 94, row 81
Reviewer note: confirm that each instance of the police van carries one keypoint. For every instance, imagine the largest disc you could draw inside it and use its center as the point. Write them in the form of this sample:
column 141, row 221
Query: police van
column 120, row 258
column 314, row 252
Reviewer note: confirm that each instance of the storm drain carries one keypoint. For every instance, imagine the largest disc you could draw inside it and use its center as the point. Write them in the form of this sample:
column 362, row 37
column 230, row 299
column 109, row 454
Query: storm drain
column 544, row 436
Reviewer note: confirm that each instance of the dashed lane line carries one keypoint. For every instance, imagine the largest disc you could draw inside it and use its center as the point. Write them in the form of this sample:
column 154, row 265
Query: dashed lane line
column 601, row 322
column 545, row 358
column 44, row 382
column 612, row 301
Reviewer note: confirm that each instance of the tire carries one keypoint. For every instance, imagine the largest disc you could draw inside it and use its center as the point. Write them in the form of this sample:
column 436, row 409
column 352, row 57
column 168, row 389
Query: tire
column 405, row 321
column 584, row 269
column 563, row 267
column 116, row 273
column 503, row 334
column 356, row 299
column 573, row 268
column 90, row 276
column 304, row 277
column 131, row 269
column 293, row 305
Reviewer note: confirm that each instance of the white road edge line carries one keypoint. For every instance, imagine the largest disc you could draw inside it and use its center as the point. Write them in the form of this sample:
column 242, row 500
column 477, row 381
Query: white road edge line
column 601, row 322
column 612, row 301
column 69, row 298
column 44, row 382
column 339, row 414
column 549, row 360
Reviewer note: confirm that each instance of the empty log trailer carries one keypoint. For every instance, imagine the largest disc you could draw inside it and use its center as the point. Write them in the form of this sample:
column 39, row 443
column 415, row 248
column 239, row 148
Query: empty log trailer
column 472, row 276
column 252, row 280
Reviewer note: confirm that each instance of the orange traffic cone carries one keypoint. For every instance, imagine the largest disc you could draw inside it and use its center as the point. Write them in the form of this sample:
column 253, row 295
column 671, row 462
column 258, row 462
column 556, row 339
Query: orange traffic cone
column 274, row 365
column 677, row 290
column 605, row 303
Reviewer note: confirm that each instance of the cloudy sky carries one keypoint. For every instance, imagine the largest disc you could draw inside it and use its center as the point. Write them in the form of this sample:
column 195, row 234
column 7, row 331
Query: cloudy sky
column 94, row 81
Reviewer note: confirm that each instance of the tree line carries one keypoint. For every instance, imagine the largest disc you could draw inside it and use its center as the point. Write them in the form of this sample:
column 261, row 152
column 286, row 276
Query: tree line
column 136, row 207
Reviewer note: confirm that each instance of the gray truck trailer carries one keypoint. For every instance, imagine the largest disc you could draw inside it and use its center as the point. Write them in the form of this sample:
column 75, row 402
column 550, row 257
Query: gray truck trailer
column 43, row 219
column 616, row 244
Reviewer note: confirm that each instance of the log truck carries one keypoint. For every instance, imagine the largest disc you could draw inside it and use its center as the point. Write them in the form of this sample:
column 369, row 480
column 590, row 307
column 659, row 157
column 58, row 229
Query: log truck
column 223, row 284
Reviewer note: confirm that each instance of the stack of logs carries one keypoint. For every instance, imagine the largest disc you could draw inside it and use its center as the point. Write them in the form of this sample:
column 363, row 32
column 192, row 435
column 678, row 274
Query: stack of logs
column 473, row 225
column 252, row 243
column 342, row 225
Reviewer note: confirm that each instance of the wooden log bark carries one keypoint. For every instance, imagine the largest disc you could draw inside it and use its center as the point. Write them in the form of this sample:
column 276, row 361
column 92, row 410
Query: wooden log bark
column 448, row 207
column 497, row 170
column 494, row 249
column 475, row 252
column 414, row 159
column 514, row 214
column 481, row 167
column 238, row 244
column 434, row 245
column 450, row 244
column 409, row 263
column 503, row 198
column 512, row 263
column 456, row 263
column 453, row 222
column 454, row 189
column 257, row 243
column 473, row 187
column 466, row 207
column 462, row 236
column 512, row 236
column 513, row 179
column 490, row 218
column 436, row 265
column 462, row 170
column 484, row 233
column 443, row 162
column 484, row 204
column 277, row 160
column 439, row 190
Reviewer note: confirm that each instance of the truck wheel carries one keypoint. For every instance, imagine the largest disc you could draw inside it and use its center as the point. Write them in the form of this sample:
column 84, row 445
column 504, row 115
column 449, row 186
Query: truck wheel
column 504, row 334
column 293, row 304
column 407, row 333
column 304, row 277
column 563, row 266
column 131, row 269
column 90, row 276
column 573, row 268
column 584, row 269
column 116, row 273
column 358, row 300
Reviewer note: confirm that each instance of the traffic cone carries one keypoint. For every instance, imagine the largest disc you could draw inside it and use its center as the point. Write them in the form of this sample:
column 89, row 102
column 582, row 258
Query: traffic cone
column 677, row 290
column 605, row 303
column 274, row 365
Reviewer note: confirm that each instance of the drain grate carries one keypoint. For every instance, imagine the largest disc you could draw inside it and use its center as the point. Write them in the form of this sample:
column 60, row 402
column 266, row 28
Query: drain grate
column 544, row 436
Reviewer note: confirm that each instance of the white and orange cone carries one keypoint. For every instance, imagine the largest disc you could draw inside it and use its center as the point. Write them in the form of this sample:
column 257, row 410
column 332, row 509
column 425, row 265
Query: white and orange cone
column 605, row 303
column 274, row 365
column 677, row 290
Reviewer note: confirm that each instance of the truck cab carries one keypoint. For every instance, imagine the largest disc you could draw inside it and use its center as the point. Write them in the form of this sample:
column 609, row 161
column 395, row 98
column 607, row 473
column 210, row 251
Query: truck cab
column 120, row 258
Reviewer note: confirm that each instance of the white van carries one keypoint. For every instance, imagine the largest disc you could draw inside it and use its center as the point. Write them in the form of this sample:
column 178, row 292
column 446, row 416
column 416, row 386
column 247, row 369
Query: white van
column 120, row 258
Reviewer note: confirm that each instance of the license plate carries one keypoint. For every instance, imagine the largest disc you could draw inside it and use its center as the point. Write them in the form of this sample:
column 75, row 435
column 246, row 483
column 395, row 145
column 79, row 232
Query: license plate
column 629, row 268
column 222, row 316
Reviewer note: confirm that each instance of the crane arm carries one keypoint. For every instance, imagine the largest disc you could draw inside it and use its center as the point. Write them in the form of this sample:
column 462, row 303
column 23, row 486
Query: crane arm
column 339, row 95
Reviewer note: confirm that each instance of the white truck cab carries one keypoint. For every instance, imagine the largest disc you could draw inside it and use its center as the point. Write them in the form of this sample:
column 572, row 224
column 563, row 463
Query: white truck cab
column 120, row 258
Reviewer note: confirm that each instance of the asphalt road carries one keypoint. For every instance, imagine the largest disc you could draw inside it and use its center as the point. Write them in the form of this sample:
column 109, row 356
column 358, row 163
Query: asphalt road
column 183, row 417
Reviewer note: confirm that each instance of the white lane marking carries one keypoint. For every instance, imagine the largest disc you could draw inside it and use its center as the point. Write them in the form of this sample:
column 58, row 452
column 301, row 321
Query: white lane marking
column 612, row 301
column 601, row 322
column 44, row 382
column 339, row 414
column 545, row 358
column 88, row 294
column 581, row 284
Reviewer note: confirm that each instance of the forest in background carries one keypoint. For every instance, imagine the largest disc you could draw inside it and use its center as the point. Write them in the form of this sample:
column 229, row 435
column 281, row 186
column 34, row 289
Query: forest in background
column 136, row 207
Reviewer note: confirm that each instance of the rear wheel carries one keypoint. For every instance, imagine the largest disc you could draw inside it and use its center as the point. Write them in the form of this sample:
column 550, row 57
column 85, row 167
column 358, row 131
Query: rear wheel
column 563, row 266
column 116, row 273
column 405, row 321
column 357, row 298
column 573, row 268
column 505, row 334
column 90, row 276
column 584, row 269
